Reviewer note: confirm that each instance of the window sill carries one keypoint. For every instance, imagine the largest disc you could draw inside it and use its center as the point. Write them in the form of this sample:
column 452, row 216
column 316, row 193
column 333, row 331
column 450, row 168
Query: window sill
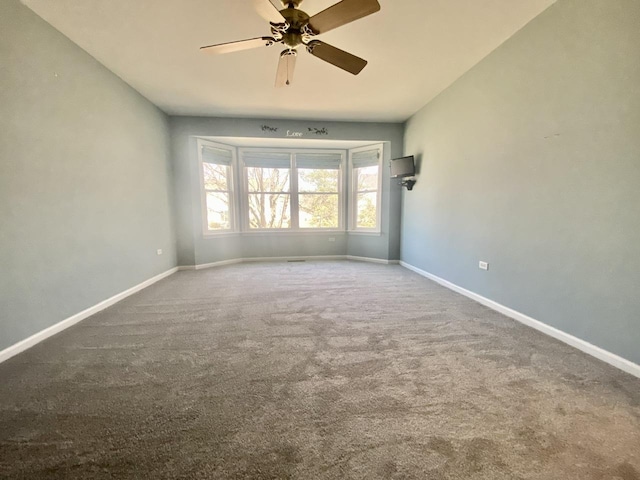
column 268, row 233
column 293, row 232
column 364, row 233
column 220, row 234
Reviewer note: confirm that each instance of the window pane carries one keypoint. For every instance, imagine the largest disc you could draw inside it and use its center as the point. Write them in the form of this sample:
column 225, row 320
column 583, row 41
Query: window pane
column 318, row 210
column 269, row 210
column 367, row 178
column 268, row 179
column 366, row 214
column 215, row 176
column 317, row 180
column 218, row 216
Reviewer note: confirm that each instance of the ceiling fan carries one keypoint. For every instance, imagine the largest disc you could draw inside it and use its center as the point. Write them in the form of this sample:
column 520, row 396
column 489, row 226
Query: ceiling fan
column 293, row 27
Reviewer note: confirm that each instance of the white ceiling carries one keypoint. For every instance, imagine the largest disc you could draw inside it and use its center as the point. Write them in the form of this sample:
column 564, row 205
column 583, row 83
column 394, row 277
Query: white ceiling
column 415, row 49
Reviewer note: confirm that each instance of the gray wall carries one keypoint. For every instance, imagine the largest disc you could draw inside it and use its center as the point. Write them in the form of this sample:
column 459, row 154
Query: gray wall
column 531, row 161
column 84, row 179
column 195, row 249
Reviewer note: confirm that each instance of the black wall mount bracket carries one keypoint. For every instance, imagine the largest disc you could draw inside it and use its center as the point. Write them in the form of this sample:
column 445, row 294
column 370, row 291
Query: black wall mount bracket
column 408, row 183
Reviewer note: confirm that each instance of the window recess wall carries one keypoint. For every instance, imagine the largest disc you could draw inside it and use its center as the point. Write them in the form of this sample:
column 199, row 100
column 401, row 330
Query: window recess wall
column 299, row 191
column 197, row 248
column 251, row 191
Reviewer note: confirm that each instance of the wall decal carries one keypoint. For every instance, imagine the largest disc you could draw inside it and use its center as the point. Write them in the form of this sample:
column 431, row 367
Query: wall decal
column 293, row 133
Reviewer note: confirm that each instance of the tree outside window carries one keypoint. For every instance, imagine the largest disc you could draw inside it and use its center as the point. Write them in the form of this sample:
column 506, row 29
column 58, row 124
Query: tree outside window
column 269, row 197
column 218, row 187
column 366, row 197
column 318, row 198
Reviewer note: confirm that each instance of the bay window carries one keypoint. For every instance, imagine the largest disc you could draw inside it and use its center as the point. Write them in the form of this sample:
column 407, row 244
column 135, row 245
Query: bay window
column 216, row 169
column 366, row 178
column 289, row 190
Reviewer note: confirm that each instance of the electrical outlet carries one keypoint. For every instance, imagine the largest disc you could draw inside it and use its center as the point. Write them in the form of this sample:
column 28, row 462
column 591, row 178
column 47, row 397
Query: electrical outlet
column 159, row 251
column 483, row 265
column 332, row 239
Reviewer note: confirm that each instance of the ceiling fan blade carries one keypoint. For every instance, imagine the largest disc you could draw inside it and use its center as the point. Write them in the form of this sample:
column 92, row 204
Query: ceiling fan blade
column 342, row 13
column 268, row 11
column 337, row 57
column 286, row 66
column 237, row 46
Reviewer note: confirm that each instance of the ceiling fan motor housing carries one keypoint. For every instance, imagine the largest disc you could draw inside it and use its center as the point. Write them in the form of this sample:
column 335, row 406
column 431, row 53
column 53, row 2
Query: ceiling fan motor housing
column 296, row 19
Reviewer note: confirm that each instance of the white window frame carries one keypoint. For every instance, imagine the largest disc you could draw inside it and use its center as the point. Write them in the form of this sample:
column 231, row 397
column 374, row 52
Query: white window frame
column 246, row 224
column 293, row 191
column 341, row 190
column 231, row 183
column 353, row 201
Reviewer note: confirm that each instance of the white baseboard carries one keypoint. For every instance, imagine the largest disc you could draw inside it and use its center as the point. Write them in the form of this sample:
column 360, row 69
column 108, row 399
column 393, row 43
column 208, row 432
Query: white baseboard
column 217, row 264
column 597, row 352
column 293, row 259
column 36, row 338
column 287, row 259
column 372, row 260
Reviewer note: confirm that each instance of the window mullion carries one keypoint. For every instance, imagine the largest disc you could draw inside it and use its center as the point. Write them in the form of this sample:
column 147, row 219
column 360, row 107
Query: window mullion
column 293, row 187
column 243, row 194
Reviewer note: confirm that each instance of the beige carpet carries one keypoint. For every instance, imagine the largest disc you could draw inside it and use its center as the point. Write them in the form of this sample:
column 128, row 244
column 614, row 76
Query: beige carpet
column 317, row 370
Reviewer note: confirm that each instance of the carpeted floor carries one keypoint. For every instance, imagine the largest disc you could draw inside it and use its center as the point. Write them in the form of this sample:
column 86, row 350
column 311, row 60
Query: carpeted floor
column 316, row 370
